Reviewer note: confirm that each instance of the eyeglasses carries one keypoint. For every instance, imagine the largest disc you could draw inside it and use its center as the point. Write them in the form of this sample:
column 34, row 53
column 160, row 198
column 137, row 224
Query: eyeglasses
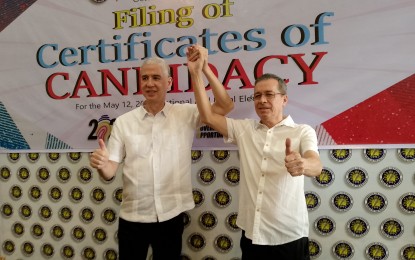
column 268, row 95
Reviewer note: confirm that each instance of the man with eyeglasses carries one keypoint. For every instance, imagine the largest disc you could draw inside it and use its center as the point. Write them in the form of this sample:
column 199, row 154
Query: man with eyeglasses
column 275, row 155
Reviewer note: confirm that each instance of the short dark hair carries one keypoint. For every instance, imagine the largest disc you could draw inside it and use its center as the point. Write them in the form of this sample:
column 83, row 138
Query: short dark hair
column 282, row 87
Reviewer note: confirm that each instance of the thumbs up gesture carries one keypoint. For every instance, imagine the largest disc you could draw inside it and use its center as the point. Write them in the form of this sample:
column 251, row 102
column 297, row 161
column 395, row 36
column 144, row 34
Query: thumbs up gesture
column 99, row 158
column 293, row 160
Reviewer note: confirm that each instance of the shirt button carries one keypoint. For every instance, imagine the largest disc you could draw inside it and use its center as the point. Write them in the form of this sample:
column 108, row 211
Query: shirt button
column 257, row 210
column 265, row 159
column 263, row 175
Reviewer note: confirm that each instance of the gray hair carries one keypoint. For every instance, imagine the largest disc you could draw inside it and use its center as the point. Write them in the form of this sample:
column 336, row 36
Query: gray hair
column 159, row 61
column 282, row 87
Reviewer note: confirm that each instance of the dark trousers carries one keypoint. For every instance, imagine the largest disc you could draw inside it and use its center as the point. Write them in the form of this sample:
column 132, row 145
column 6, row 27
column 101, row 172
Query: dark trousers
column 296, row 250
column 165, row 239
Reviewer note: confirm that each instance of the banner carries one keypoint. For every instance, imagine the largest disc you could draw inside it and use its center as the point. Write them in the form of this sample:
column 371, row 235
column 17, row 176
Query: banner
column 69, row 68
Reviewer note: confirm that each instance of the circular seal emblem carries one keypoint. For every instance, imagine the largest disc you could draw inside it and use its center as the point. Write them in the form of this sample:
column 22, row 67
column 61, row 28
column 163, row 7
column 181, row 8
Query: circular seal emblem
column 208, row 220
column 53, row 157
column 57, row 232
column 198, row 197
column 33, row 157
column 376, row 202
column 222, row 198
column 23, row 174
column 85, row 175
column 343, row 250
column 312, row 200
column 117, row 195
column 220, row 156
column 208, row 257
column 358, row 227
column 16, row 192
column 110, row 254
column 47, row 250
column 37, row 230
column 391, row 177
column 99, row 235
column 76, row 194
column 35, row 193
column 377, row 251
column 63, row 175
column 230, row 221
column 407, row 202
column 391, row 228
column 5, row 173
column 223, row 243
column 374, row 155
column 98, row 195
column 27, row 248
column 186, row 219
column 324, row 225
column 109, row 216
column 9, row 247
column 18, row 229
column 67, row 252
column 207, row 175
column 88, row 253
column 325, row 178
column 6, row 210
column 98, row 1
column 87, row 215
column 13, row 157
column 357, row 177
column 408, row 252
column 196, row 241
column 314, row 248
column 45, row 212
column 65, row 214
column 43, row 174
column 55, row 193
column 232, row 176
column 74, row 156
column 78, row 233
column 340, row 155
column 25, row 211
column 197, row 155
column 342, row 201
column 407, row 154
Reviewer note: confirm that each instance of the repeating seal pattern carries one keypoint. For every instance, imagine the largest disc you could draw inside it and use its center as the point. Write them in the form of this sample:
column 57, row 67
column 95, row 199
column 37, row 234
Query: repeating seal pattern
column 343, row 250
column 376, row 202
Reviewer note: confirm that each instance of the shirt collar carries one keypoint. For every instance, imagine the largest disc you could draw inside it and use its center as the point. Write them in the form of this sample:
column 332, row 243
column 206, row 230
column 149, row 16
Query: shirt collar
column 164, row 111
column 287, row 121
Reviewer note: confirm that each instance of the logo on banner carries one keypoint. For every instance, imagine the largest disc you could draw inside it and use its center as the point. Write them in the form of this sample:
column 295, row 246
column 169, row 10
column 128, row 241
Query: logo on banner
column 231, row 221
column 358, row 227
column 28, row 249
column 99, row 235
column 324, row 225
column 314, row 248
column 65, row 214
column 64, row 174
column 74, row 156
column 14, row 157
column 67, row 252
column 23, row 174
column 376, row 202
column 198, row 197
column 85, row 175
column 208, row 220
column 53, row 157
column 343, row 250
column 16, row 192
column 374, row 155
column 110, row 254
column 88, row 253
column 87, row 215
column 342, row 201
column 341, row 155
column 9, row 247
column 47, row 250
column 312, row 200
column 220, row 156
column 55, row 193
column 196, row 241
column 232, row 176
column 407, row 154
column 407, row 202
column 43, row 174
column 391, row 177
column 78, row 233
column 5, row 173
column 57, row 232
column 223, row 243
column 35, row 193
column 7, row 210
column 408, row 252
column 391, row 228
column 207, row 175
column 357, row 177
column 325, row 178
column 18, row 229
column 76, row 194
column 117, row 196
column 222, row 198
column 97, row 195
column 45, row 212
column 377, row 251
column 25, row 211
column 37, row 231
column 109, row 216
column 33, row 157
column 197, row 155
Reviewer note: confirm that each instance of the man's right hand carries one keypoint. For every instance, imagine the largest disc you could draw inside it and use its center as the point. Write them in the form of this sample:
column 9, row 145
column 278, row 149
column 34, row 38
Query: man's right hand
column 99, row 158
